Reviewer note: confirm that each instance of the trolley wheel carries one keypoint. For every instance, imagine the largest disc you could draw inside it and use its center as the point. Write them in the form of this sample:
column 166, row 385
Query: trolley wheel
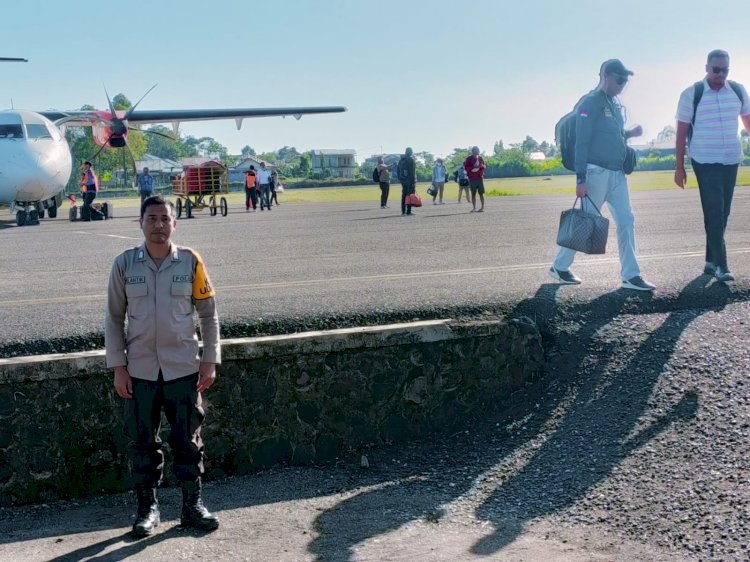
column 178, row 207
column 224, row 207
column 212, row 205
column 188, row 209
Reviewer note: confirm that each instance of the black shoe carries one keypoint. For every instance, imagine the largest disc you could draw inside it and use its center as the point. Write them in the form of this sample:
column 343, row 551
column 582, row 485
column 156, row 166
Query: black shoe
column 194, row 513
column 709, row 268
column 637, row 283
column 564, row 277
column 723, row 274
column 148, row 517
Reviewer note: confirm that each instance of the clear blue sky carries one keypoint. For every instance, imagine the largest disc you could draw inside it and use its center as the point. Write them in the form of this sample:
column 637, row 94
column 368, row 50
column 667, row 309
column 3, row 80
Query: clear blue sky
column 433, row 75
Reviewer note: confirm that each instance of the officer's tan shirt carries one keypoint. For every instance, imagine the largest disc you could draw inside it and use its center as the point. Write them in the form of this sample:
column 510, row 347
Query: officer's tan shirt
column 159, row 305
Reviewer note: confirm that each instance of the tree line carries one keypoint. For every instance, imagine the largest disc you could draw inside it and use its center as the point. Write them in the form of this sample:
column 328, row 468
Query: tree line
column 115, row 168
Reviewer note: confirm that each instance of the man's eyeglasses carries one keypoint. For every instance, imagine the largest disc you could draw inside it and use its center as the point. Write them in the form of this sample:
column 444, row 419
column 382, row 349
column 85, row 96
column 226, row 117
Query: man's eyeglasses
column 720, row 69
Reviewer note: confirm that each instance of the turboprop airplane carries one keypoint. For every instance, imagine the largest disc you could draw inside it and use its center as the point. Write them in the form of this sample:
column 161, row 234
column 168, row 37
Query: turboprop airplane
column 35, row 159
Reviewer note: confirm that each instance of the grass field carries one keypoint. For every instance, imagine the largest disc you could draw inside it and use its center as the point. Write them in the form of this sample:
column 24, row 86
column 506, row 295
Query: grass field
column 540, row 185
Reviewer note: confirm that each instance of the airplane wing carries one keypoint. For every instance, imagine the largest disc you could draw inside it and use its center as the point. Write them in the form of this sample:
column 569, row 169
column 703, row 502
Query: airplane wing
column 177, row 116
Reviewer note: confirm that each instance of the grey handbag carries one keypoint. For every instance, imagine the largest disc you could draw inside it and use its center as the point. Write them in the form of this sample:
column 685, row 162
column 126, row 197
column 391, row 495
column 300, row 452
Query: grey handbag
column 582, row 231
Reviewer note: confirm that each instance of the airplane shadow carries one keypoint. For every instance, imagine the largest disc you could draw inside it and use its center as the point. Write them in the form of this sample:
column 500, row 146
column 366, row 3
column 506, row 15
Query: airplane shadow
column 599, row 429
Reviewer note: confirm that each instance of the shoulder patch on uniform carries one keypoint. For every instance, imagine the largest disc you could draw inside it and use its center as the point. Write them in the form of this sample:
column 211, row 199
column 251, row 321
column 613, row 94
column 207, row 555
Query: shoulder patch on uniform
column 202, row 287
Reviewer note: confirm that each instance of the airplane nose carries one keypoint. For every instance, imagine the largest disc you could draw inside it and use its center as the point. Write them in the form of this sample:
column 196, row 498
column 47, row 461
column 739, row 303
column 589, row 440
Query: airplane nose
column 37, row 174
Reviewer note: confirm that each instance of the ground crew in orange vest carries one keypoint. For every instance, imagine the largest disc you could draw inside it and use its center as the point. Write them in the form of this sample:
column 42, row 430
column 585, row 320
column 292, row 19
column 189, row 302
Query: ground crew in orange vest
column 251, row 192
column 89, row 186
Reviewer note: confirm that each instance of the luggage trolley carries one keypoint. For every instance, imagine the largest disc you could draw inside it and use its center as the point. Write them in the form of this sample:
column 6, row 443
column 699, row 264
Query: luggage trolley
column 198, row 187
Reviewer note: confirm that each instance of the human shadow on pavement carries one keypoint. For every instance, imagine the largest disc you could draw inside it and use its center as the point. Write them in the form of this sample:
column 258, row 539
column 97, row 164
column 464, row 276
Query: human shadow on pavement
column 608, row 419
column 413, row 481
column 595, row 432
column 131, row 547
column 421, row 480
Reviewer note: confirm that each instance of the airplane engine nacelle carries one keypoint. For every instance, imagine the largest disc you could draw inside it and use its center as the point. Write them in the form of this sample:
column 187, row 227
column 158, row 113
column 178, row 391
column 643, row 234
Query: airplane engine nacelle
column 103, row 134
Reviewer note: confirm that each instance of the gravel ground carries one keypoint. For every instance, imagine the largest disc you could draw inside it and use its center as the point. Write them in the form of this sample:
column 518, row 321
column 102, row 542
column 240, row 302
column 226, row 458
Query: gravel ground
column 636, row 449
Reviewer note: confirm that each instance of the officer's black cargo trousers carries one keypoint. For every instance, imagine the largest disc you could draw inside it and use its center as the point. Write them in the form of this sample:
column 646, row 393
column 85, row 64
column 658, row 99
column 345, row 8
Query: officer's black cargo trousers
column 183, row 409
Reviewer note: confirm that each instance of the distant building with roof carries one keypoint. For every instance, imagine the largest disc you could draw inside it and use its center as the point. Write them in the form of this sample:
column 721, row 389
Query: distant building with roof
column 389, row 159
column 664, row 148
column 337, row 163
column 244, row 165
column 237, row 173
column 537, row 156
column 161, row 168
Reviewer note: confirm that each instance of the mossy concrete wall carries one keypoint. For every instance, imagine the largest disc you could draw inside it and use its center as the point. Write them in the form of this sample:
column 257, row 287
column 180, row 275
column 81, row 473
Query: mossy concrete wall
column 296, row 398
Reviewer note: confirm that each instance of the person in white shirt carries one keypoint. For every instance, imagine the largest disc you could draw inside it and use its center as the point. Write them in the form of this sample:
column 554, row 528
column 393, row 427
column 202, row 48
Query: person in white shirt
column 439, row 177
column 707, row 120
column 264, row 183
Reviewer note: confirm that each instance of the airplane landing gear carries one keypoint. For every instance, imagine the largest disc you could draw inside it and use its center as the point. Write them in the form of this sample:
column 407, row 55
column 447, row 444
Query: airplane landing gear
column 27, row 217
column 40, row 210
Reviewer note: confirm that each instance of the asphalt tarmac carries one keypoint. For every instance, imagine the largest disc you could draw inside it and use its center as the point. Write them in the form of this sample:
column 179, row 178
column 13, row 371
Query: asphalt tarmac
column 636, row 450
column 317, row 265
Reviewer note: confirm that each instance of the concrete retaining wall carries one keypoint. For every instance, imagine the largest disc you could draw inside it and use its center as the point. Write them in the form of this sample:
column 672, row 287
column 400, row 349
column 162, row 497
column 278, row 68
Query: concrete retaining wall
column 296, row 398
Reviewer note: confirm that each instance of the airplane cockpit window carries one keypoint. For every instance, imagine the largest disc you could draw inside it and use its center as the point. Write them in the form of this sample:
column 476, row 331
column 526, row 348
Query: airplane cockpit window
column 38, row 131
column 11, row 131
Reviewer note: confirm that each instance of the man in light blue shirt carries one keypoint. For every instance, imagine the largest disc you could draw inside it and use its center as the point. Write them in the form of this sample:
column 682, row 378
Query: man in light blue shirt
column 145, row 185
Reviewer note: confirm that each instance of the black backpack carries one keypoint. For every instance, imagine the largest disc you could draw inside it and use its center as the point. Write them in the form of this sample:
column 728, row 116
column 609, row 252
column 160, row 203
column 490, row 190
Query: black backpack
column 565, row 137
column 376, row 175
column 403, row 169
column 698, row 94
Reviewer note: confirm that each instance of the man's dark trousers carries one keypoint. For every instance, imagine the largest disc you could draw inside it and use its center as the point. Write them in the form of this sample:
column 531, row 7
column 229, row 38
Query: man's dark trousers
column 183, row 409
column 385, row 187
column 251, row 196
column 716, row 185
column 88, row 199
column 406, row 189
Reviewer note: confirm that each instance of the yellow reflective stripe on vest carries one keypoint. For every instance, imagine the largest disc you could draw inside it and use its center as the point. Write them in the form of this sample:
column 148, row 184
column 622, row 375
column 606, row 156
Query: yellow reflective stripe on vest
column 202, row 288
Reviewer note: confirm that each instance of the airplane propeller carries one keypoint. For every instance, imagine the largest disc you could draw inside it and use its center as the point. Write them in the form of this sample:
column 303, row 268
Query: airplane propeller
column 119, row 128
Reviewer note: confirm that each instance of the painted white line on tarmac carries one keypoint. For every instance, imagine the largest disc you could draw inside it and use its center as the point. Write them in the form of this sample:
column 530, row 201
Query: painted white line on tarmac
column 107, row 235
column 387, row 276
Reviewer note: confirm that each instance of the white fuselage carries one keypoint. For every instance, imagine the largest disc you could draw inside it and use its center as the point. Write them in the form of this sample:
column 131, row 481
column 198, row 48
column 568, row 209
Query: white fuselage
column 35, row 160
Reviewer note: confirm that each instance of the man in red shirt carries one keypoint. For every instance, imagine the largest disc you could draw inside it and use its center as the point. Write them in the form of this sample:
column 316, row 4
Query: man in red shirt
column 474, row 166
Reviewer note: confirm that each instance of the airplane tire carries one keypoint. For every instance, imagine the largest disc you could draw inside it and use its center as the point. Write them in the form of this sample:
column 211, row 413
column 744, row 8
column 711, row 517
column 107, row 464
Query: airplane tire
column 33, row 218
column 52, row 212
column 20, row 218
column 40, row 211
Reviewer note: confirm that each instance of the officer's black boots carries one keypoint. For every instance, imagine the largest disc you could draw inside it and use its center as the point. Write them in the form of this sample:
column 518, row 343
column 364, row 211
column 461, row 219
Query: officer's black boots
column 194, row 513
column 148, row 511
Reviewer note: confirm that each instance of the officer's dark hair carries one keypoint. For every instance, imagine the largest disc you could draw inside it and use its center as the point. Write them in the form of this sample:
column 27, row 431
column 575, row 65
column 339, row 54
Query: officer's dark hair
column 157, row 200
column 716, row 54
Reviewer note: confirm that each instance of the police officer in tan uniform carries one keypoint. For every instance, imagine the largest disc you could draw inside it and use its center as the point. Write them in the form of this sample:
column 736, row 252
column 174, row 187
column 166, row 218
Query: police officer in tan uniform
column 158, row 287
